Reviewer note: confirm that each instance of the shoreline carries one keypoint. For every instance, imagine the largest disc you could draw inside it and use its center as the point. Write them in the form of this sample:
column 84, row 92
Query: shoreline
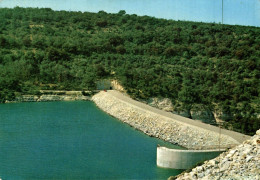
column 49, row 95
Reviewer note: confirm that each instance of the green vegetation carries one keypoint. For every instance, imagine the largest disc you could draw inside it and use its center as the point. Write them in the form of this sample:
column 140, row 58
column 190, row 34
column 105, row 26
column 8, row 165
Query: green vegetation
column 191, row 63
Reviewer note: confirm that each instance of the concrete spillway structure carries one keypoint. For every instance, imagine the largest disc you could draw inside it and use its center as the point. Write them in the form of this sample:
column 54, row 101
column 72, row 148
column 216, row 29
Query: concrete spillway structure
column 183, row 159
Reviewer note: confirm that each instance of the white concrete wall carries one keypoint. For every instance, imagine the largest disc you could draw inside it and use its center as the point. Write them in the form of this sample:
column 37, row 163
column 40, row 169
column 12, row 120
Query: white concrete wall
column 183, row 159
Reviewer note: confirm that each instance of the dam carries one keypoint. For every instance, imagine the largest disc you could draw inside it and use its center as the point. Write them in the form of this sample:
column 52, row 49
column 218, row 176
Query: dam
column 193, row 135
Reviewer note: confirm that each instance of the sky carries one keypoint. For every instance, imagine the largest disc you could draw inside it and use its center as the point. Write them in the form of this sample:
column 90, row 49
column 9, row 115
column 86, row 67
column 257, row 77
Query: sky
column 236, row 12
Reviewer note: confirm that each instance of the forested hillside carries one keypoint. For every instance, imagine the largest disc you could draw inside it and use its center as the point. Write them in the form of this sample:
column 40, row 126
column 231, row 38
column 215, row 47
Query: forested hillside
column 213, row 65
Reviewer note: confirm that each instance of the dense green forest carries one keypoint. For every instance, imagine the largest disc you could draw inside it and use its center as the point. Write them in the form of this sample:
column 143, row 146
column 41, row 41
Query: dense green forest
column 191, row 63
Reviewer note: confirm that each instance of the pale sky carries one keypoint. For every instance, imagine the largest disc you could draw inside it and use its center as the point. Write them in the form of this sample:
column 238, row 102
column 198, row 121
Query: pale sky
column 242, row 12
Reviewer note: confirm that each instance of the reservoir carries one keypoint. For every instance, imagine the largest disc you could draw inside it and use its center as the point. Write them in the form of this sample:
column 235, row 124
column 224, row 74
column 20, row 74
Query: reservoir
column 73, row 140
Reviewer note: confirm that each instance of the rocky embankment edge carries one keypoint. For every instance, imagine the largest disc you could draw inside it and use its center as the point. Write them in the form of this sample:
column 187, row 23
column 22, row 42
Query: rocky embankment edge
column 160, row 126
column 53, row 96
column 240, row 162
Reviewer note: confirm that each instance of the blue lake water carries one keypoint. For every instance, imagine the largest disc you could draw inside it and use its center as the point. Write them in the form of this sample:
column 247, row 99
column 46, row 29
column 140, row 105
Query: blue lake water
column 73, row 140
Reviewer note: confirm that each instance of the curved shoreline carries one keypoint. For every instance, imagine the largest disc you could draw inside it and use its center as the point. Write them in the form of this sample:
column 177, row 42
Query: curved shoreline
column 164, row 125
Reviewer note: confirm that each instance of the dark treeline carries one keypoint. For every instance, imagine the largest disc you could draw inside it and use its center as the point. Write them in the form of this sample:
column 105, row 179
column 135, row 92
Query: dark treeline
column 213, row 65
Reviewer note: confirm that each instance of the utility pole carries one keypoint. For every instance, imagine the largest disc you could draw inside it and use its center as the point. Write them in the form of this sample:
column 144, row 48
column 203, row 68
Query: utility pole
column 219, row 137
column 222, row 11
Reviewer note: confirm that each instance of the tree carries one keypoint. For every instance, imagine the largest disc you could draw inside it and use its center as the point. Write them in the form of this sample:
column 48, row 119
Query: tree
column 121, row 12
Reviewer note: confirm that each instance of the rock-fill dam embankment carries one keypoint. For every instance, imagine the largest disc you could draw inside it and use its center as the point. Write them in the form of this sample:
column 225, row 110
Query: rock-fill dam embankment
column 166, row 126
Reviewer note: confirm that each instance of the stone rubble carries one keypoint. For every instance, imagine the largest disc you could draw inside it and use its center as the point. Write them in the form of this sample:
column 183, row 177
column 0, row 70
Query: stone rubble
column 160, row 126
column 239, row 163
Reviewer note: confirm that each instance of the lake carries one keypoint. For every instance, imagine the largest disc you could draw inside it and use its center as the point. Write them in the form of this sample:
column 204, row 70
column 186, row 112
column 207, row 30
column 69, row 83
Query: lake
column 73, row 140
